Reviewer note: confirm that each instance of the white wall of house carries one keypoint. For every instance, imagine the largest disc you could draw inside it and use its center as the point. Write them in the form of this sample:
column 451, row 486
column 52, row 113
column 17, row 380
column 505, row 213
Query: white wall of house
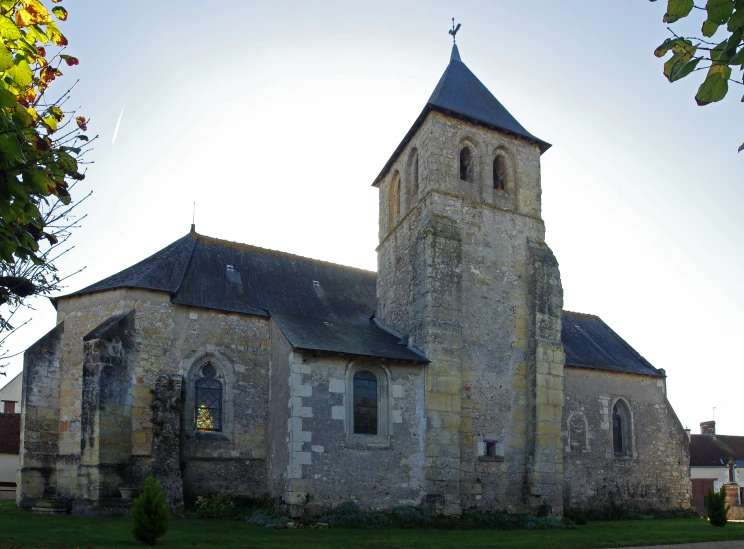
column 720, row 475
column 8, row 469
column 11, row 392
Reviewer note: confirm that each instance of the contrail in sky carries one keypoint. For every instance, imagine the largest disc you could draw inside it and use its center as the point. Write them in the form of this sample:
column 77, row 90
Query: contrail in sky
column 118, row 122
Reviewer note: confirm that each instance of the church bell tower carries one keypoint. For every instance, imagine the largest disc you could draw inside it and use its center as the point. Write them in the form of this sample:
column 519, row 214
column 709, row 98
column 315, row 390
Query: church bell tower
column 465, row 274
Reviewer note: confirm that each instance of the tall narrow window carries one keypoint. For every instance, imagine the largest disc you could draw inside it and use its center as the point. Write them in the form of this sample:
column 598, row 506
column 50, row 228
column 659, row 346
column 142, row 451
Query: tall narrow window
column 415, row 175
column 208, row 400
column 394, row 199
column 621, row 429
column 365, row 403
column 466, row 164
column 413, row 172
column 499, row 173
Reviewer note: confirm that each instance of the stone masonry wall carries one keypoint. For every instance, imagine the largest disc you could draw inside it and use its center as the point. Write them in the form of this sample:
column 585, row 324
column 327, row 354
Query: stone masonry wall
column 654, row 475
column 472, row 316
column 106, row 411
column 40, row 404
column 280, row 444
column 169, row 340
column 329, row 464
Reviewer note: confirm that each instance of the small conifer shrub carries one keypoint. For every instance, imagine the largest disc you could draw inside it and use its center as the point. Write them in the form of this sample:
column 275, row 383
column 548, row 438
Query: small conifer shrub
column 715, row 503
column 150, row 512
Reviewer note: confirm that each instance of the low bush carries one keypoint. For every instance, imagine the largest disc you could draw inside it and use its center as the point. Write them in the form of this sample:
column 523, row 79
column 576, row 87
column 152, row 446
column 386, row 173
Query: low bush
column 348, row 515
column 405, row 516
column 268, row 521
column 582, row 516
column 215, row 506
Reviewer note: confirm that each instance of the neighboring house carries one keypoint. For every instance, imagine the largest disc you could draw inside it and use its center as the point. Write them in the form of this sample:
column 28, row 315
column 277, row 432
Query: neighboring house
column 451, row 378
column 10, row 435
column 710, row 456
column 10, row 395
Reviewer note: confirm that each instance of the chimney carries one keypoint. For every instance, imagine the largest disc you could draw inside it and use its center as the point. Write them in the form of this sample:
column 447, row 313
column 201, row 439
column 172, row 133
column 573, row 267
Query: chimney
column 688, row 432
column 708, row 428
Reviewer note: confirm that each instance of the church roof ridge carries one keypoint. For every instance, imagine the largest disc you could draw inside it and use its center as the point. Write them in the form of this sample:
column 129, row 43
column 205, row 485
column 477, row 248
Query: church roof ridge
column 582, row 315
column 278, row 253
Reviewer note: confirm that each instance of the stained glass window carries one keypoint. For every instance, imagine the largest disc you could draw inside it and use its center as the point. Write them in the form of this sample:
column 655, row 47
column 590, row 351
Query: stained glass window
column 208, row 400
column 365, row 403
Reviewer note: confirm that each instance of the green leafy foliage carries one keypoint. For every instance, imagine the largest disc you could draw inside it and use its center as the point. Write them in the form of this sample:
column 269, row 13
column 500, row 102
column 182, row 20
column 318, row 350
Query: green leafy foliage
column 269, row 521
column 715, row 503
column 40, row 156
column 215, row 506
column 150, row 513
column 724, row 60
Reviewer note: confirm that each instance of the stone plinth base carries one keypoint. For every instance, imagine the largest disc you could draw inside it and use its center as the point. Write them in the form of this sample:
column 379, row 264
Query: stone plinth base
column 49, row 508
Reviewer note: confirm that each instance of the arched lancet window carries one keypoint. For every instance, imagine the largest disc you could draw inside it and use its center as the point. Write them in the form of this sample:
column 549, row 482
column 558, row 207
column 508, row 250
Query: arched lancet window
column 365, row 403
column 621, row 432
column 208, row 400
column 466, row 164
column 414, row 172
column 499, row 173
column 394, row 199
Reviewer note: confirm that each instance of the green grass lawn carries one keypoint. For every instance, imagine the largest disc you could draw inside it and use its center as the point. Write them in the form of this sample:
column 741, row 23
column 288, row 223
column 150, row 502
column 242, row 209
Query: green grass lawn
column 25, row 530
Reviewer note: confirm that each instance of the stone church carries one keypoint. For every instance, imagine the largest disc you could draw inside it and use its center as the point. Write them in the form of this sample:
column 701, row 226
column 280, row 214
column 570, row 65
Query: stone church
column 451, row 378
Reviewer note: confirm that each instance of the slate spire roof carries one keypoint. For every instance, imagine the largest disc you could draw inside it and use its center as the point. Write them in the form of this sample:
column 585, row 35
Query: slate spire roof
column 459, row 93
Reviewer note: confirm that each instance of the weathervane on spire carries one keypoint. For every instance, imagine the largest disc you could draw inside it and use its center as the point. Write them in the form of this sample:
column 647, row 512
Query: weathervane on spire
column 453, row 30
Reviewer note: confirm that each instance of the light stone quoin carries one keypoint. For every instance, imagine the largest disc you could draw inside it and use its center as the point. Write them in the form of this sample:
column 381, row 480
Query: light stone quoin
column 476, row 389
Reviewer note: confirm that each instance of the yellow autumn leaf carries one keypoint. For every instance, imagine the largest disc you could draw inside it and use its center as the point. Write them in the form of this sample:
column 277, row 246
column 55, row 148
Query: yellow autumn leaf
column 24, row 18
column 50, row 123
column 37, row 9
column 57, row 38
column 60, row 12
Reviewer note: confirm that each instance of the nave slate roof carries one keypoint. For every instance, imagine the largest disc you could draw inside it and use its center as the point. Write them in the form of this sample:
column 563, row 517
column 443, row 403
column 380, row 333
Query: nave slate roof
column 459, row 93
column 318, row 306
column 321, row 306
column 590, row 343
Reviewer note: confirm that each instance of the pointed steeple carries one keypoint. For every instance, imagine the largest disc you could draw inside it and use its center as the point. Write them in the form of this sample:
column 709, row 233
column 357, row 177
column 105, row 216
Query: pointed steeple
column 459, row 93
column 455, row 53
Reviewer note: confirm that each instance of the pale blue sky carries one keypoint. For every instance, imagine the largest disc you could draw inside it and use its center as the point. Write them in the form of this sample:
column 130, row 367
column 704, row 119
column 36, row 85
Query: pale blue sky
column 276, row 117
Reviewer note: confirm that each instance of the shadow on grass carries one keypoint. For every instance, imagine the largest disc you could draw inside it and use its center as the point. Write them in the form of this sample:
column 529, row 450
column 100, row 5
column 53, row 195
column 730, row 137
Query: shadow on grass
column 25, row 530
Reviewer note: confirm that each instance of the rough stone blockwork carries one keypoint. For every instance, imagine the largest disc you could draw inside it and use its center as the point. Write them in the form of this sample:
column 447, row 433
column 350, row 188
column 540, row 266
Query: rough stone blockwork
column 167, row 409
column 106, row 414
column 655, row 471
column 546, row 359
column 40, row 419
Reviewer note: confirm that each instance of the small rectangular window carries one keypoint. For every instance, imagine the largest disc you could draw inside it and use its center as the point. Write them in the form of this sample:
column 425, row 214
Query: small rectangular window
column 9, row 407
column 492, row 450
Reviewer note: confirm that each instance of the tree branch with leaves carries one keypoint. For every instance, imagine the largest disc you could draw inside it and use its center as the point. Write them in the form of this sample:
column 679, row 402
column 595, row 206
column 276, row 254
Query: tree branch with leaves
column 723, row 61
column 42, row 144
